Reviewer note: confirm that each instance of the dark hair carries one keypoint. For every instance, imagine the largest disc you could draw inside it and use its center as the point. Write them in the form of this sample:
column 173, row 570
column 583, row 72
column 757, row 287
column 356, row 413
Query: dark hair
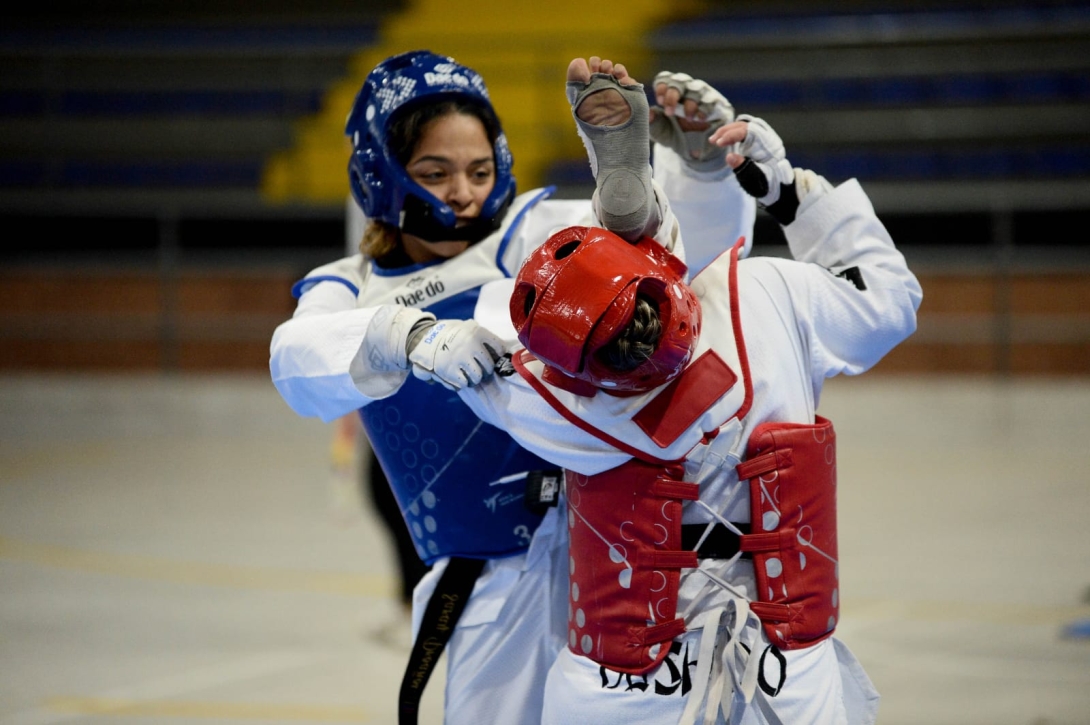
column 637, row 340
column 406, row 128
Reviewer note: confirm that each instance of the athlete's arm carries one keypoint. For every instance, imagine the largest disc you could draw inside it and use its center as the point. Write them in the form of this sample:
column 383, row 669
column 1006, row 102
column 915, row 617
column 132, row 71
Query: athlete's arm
column 511, row 404
column 854, row 298
column 332, row 357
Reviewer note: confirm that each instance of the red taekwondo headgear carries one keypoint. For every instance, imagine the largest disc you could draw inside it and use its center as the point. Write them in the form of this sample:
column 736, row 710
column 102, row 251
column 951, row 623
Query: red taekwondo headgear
column 577, row 292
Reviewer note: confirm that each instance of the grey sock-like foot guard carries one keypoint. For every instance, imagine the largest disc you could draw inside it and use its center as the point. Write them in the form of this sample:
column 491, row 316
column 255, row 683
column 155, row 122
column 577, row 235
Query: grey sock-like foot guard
column 619, row 159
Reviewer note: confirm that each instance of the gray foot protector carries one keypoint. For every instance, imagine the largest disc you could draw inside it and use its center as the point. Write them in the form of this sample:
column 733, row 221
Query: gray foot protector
column 619, row 160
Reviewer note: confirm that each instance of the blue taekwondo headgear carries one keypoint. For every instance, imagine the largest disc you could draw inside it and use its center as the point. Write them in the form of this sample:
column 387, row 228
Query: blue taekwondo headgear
column 381, row 185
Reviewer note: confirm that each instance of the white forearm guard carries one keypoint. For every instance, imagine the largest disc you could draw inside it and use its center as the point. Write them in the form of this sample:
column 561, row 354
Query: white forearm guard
column 382, row 363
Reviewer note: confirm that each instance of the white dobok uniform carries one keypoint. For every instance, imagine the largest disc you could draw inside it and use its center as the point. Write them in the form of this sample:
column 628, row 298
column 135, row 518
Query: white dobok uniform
column 847, row 300
column 453, row 483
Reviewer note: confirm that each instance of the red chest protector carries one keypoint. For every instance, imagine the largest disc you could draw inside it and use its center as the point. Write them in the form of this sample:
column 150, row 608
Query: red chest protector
column 626, row 558
column 791, row 470
column 625, row 532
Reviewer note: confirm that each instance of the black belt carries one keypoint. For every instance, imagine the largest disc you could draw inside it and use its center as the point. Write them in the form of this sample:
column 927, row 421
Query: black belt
column 722, row 543
column 444, row 608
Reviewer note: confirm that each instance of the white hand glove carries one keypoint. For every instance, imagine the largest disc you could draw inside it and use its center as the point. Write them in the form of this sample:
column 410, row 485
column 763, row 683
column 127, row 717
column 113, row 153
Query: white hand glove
column 700, row 109
column 456, row 354
column 765, row 153
column 767, row 174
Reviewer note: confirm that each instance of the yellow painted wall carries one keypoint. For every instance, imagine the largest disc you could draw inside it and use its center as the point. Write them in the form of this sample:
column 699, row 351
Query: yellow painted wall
column 522, row 50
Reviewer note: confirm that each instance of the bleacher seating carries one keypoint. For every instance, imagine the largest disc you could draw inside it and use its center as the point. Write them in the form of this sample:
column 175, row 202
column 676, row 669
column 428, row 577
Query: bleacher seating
column 938, row 107
column 976, row 100
column 142, row 108
column 134, row 135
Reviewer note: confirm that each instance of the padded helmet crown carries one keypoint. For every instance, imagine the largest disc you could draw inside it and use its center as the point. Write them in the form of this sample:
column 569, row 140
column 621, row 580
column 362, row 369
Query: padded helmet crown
column 577, row 292
column 380, row 184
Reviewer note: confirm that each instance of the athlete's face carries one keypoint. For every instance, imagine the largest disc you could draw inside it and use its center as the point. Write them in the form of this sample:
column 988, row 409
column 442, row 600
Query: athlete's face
column 453, row 160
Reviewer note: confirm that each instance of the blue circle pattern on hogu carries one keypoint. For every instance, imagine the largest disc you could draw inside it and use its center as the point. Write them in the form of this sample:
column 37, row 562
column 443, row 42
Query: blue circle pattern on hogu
column 448, row 470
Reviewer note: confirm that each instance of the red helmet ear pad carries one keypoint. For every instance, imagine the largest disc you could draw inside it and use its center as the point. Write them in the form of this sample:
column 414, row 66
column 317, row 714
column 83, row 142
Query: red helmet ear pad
column 577, row 292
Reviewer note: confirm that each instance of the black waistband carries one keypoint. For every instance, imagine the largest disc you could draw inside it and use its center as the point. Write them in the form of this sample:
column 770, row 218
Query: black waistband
column 721, row 543
column 440, row 616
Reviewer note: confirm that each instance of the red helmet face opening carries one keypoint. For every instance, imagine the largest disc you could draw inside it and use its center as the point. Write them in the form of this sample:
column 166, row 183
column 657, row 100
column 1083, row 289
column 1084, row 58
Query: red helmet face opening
column 576, row 293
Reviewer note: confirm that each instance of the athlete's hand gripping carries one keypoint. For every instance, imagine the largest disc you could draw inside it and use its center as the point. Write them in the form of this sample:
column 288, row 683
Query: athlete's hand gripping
column 454, row 353
column 688, row 111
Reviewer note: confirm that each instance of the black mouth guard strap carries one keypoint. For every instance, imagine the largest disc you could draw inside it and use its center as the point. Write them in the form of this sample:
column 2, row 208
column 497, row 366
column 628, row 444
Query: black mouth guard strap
column 419, row 220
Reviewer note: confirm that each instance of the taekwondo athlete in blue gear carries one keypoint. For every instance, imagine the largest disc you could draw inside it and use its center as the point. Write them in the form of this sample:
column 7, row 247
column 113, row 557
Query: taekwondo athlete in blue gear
column 429, row 444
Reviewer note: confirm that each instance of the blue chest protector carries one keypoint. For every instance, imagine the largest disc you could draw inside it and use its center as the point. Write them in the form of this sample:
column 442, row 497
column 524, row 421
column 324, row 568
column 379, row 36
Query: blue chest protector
column 458, row 481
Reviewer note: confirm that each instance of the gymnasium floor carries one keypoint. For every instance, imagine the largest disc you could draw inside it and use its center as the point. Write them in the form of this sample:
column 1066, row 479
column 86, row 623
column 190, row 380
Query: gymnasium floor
column 174, row 550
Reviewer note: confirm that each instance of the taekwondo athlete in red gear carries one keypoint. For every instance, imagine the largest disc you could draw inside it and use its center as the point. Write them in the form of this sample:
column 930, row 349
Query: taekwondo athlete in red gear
column 363, row 323
column 700, row 482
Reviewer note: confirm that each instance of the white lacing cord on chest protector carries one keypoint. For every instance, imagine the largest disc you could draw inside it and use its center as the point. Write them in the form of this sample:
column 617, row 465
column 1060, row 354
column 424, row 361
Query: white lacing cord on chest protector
column 711, row 681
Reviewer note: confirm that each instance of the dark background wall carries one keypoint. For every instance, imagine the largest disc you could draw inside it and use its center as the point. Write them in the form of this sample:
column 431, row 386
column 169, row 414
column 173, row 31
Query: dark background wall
column 133, row 138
